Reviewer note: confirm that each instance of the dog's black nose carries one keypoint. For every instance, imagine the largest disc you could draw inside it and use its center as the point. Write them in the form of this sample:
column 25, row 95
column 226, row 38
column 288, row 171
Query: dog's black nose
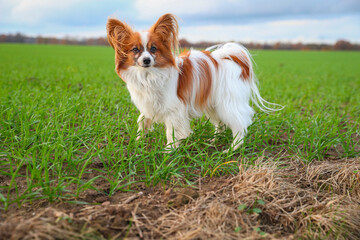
column 147, row 61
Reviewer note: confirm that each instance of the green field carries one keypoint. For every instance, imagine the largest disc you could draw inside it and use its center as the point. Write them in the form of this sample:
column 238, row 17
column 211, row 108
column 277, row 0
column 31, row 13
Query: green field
column 67, row 124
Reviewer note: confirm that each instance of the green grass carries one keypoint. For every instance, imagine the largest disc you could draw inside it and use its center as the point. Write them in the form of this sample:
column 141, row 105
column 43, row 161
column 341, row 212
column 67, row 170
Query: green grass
column 67, row 123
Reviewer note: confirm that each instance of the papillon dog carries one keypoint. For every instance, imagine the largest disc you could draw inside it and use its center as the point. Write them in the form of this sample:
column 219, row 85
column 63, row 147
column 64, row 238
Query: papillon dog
column 218, row 82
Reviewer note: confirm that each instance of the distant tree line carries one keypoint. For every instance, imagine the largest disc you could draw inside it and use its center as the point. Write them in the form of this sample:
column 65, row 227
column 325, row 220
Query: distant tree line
column 21, row 38
column 339, row 45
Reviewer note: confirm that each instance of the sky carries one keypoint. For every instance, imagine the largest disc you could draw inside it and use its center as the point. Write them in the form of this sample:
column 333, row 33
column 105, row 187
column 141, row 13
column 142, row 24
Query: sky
column 264, row 21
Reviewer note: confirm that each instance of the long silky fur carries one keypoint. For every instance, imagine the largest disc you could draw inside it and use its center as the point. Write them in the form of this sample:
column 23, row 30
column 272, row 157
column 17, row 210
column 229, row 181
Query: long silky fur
column 228, row 49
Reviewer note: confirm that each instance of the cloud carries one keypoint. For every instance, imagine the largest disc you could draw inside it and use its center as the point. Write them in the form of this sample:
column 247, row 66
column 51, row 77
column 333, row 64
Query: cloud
column 61, row 12
column 149, row 10
column 297, row 30
column 216, row 20
column 30, row 12
column 235, row 11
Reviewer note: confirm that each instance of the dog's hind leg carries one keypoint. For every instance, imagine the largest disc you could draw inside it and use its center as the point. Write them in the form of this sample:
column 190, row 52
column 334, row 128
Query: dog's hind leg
column 215, row 120
column 238, row 117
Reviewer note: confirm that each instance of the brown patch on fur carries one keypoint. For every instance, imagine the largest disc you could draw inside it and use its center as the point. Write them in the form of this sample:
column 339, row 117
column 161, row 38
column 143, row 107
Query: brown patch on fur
column 185, row 84
column 205, row 83
column 245, row 73
column 208, row 54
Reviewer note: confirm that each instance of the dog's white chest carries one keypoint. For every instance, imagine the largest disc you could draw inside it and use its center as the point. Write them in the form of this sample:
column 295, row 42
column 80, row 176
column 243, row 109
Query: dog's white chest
column 151, row 91
column 149, row 102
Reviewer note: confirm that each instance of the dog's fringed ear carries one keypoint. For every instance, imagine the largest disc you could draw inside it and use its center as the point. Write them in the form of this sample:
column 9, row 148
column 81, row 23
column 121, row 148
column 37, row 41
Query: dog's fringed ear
column 117, row 32
column 119, row 35
column 167, row 28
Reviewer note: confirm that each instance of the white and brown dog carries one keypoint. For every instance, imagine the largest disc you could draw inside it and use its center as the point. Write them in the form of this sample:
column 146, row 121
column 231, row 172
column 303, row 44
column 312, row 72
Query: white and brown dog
column 173, row 89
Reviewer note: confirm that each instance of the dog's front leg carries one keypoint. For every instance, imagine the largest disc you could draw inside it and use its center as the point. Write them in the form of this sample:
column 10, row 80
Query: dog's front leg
column 144, row 125
column 177, row 128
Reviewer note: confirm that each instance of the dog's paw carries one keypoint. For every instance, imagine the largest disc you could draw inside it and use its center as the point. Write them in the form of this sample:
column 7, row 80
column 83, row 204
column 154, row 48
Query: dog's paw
column 172, row 146
column 168, row 149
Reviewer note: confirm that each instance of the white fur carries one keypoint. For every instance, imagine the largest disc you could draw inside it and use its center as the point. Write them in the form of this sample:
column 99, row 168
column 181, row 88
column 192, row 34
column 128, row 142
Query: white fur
column 154, row 92
column 144, row 36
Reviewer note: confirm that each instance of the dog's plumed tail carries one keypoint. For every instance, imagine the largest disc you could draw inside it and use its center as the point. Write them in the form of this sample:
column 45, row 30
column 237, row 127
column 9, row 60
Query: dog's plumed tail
column 241, row 56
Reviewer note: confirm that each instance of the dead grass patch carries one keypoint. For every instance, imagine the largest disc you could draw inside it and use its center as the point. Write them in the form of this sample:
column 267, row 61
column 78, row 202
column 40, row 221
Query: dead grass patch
column 268, row 201
column 340, row 177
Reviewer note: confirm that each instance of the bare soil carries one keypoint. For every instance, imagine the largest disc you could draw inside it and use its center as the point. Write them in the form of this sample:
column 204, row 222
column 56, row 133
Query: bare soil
column 269, row 201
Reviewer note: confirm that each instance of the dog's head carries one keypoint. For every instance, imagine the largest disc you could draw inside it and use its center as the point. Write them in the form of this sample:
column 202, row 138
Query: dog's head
column 151, row 48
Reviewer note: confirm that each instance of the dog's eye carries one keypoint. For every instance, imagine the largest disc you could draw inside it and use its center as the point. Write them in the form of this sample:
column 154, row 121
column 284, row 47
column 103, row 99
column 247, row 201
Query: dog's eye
column 135, row 50
column 153, row 49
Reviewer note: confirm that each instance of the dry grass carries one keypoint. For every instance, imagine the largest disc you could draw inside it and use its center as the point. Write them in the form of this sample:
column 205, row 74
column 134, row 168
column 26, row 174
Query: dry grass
column 320, row 200
column 340, row 177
